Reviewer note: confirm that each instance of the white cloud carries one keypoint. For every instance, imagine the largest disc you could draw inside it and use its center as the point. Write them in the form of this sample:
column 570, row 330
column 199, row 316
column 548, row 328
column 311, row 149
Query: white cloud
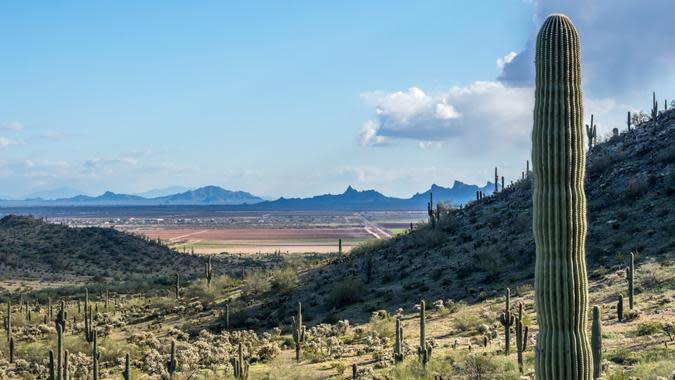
column 505, row 60
column 14, row 126
column 482, row 111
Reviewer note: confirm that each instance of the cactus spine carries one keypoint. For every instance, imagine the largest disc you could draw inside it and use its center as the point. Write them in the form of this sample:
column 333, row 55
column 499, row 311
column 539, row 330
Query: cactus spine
column 619, row 309
column 507, row 320
column 171, row 365
column 630, row 274
column 239, row 365
column 559, row 205
column 209, row 273
column 596, row 343
column 521, row 337
column 398, row 343
column 127, row 367
column 298, row 332
column 424, row 350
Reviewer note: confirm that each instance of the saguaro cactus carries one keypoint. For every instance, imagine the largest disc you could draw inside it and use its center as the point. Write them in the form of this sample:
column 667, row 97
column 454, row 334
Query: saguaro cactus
column 95, row 357
column 496, row 181
column 298, row 333
column 630, row 274
column 171, row 365
column 628, row 121
column 619, row 309
column 424, row 350
column 176, row 289
column 52, row 369
column 398, row 342
column 239, row 365
column 507, row 320
column 591, row 133
column 430, row 210
column 655, row 107
column 521, row 337
column 340, row 246
column 62, row 316
column 11, row 349
column 208, row 272
column 127, row 367
column 559, row 205
column 59, row 352
column 8, row 321
column 66, row 373
column 596, row 343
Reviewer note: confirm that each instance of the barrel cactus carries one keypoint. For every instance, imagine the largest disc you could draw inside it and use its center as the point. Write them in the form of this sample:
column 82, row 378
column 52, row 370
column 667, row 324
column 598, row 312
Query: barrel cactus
column 559, row 205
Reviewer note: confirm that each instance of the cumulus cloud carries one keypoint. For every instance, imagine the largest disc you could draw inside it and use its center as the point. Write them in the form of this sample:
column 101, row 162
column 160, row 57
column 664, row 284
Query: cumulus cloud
column 469, row 112
column 627, row 45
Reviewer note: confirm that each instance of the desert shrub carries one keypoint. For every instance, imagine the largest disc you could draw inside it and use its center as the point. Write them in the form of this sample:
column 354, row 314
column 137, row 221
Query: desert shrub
column 648, row 328
column 466, row 320
column 255, row 283
column 347, row 292
column 655, row 275
column 284, row 280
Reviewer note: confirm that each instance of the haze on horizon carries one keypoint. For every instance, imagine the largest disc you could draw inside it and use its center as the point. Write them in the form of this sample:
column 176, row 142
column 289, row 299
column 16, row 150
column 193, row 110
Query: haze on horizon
column 299, row 99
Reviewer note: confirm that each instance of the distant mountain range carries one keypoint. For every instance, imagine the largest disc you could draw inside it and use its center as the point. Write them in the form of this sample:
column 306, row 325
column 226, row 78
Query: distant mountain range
column 351, row 199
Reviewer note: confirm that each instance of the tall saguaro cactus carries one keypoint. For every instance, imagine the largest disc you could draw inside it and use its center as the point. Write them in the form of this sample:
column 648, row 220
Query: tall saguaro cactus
column 424, row 350
column 559, row 205
column 507, row 320
column 630, row 275
column 596, row 343
column 208, row 272
column 298, row 333
column 398, row 342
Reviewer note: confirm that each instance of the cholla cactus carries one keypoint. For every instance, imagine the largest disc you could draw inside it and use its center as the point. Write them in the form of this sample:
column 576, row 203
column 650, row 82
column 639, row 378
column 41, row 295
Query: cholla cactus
column 559, row 205
column 424, row 349
column 298, row 332
column 507, row 320
column 596, row 343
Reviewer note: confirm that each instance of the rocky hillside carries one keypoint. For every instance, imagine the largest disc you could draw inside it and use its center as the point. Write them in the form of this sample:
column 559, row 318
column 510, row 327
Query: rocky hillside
column 486, row 246
column 32, row 249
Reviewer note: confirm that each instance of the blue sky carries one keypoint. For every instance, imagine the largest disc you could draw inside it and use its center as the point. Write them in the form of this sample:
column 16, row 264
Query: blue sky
column 277, row 98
